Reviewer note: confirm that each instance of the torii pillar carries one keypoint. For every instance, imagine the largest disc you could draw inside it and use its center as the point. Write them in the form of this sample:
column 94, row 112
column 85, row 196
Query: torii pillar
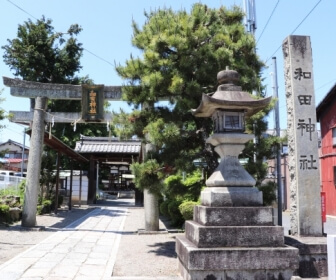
column 33, row 170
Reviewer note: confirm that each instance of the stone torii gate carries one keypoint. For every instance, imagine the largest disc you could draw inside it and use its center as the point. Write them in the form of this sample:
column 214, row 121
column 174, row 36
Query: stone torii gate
column 92, row 111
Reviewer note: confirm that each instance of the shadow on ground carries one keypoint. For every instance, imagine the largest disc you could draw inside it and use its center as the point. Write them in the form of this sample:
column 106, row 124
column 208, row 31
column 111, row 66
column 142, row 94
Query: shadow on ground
column 166, row 249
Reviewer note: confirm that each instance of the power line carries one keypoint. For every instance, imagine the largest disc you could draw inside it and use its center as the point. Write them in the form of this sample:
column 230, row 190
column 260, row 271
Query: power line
column 296, row 28
column 20, row 133
column 276, row 5
column 307, row 16
column 333, row 80
column 98, row 57
column 23, row 10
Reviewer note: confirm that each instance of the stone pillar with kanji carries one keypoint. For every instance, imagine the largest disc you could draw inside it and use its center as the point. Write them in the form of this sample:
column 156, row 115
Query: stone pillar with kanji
column 302, row 138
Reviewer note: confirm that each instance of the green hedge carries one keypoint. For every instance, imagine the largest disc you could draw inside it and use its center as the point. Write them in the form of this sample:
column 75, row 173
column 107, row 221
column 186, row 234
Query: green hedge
column 174, row 213
column 187, row 209
column 164, row 208
column 178, row 211
column 45, row 208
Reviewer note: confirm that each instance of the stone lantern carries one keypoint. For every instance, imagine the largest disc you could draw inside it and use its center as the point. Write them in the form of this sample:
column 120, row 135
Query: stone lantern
column 232, row 235
column 229, row 107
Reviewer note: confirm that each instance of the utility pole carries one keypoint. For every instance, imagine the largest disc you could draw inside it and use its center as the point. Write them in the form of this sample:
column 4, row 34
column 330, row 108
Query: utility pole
column 23, row 151
column 277, row 128
column 250, row 16
column 251, row 26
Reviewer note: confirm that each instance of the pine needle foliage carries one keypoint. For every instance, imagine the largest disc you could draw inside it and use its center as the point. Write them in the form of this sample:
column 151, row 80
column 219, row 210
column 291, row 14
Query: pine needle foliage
column 181, row 54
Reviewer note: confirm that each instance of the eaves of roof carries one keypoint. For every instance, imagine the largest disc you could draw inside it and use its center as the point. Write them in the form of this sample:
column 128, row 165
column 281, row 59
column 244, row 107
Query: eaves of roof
column 323, row 106
column 131, row 147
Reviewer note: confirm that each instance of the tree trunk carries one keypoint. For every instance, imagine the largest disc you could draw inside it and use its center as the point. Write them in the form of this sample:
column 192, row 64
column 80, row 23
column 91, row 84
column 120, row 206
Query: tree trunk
column 34, row 164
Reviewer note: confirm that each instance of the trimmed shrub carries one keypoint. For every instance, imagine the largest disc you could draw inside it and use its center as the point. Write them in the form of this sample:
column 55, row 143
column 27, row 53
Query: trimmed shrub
column 174, row 213
column 44, row 208
column 269, row 192
column 187, row 209
column 164, row 208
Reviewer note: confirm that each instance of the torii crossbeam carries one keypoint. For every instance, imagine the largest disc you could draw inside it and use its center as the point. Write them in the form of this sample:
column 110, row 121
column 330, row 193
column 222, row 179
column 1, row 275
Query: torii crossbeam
column 27, row 89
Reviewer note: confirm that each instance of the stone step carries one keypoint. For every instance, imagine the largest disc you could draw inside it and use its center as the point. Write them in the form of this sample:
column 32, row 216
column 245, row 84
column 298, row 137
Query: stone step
column 300, row 278
column 233, row 216
column 234, row 236
column 235, row 259
column 313, row 253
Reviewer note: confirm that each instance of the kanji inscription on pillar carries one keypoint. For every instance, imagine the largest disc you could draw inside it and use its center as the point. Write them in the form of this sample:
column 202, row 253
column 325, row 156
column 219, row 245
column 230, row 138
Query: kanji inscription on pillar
column 302, row 137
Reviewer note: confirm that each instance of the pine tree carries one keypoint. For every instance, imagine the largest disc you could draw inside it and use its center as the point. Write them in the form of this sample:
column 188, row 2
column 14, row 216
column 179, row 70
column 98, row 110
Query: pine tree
column 41, row 54
column 181, row 56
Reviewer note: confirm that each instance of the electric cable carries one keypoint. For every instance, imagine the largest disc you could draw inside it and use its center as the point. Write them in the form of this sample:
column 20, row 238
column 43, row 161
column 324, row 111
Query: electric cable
column 23, row 10
column 296, row 28
column 276, row 5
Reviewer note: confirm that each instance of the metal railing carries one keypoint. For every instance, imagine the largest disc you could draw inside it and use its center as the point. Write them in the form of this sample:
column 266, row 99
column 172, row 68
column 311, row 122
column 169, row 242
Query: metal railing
column 10, row 184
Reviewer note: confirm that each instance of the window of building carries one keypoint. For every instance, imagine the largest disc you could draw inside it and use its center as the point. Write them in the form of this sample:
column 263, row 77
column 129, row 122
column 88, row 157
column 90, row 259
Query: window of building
column 334, row 136
column 334, row 175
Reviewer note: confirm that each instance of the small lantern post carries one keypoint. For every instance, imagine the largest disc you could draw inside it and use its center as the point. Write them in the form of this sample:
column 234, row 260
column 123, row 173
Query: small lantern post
column 229, row 107
column 232, row 235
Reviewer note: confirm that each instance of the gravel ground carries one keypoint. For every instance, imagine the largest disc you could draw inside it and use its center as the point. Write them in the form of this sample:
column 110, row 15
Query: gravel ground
column 150, row 255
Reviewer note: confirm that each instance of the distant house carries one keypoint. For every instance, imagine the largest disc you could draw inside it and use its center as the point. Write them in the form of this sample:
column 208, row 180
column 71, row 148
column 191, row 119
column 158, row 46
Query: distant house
column 285, row 176
column 326, row 116
column 12, row 156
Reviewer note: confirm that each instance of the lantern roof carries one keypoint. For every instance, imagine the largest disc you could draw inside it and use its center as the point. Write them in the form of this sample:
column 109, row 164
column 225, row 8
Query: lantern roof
column 229, row 96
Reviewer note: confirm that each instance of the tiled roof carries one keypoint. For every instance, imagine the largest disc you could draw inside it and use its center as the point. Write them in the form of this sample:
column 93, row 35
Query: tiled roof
column 11, row 160
column 125, row 147
column 15, row 160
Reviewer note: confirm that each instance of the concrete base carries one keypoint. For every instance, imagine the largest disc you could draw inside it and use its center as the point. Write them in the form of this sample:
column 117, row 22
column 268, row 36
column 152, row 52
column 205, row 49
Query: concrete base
column 233, row 216
column 312, row 255
column 233, row 236
column 233, row 275
column 231, row 196
column 223, row 243
column 228, row 263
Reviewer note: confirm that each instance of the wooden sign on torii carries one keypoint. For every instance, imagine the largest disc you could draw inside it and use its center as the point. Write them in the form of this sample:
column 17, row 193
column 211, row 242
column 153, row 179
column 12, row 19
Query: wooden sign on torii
column 39, row 115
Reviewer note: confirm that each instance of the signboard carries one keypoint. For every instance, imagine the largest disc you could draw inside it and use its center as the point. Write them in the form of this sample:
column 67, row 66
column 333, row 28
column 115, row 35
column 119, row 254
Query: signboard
column 323, row 207
column 93, row 103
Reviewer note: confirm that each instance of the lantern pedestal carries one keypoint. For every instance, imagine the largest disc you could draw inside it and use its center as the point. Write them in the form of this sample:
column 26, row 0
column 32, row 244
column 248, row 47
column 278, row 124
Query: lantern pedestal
column 232, row 235
column 226, row 240
column 230, row 184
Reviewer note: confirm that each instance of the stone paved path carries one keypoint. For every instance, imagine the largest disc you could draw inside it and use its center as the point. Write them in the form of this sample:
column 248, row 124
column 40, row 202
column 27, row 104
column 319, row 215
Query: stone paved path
column 86, row 249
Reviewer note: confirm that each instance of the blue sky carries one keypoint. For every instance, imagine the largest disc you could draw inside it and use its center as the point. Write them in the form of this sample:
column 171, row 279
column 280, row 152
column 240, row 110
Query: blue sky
column 107, row 32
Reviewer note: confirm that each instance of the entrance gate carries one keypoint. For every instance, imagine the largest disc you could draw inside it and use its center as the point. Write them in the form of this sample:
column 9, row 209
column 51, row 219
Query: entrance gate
column 92, row 98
